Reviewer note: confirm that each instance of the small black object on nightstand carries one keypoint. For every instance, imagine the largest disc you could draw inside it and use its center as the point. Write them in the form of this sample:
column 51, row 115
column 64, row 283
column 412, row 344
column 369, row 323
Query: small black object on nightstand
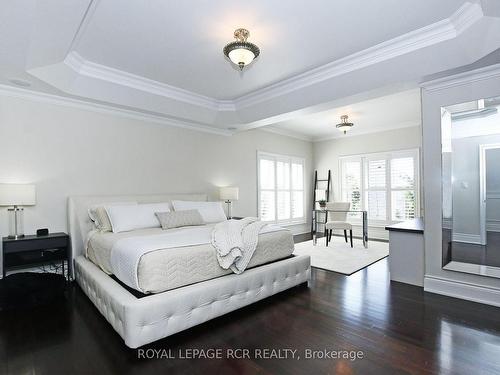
column 236, row 217
column 32, row 251
column 42, row 232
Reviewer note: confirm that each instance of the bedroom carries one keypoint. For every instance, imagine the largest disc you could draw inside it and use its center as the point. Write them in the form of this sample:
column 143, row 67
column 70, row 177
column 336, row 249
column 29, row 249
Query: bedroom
column 83, row 114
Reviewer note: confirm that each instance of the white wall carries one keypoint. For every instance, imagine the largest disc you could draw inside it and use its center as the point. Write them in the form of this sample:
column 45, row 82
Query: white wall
column 327, row 154
column 71, row 151
column 466, row 184
column 463, row 88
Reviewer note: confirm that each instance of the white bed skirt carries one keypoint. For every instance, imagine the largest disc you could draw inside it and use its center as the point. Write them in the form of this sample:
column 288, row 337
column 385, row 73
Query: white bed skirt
column 140, row 321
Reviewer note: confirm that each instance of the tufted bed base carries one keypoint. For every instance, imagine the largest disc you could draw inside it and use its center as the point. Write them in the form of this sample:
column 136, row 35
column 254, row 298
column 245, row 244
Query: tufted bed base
column 144, row 320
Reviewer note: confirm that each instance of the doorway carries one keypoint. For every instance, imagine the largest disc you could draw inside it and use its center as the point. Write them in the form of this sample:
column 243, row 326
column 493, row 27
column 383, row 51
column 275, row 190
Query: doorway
column 489, row 160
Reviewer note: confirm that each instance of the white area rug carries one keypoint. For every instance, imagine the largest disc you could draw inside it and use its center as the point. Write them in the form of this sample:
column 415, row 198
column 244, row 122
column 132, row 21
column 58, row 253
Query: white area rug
column 339, row 257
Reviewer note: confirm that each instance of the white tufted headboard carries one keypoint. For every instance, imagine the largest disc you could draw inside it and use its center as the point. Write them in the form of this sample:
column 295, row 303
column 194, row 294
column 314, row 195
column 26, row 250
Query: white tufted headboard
column 79, row 224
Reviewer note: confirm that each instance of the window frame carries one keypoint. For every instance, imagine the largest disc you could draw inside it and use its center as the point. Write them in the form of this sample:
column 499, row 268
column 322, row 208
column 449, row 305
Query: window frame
column 363, row 159
column 290, row 159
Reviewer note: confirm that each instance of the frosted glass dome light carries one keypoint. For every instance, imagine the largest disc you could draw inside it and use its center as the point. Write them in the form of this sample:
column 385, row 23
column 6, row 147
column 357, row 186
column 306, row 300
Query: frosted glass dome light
column 241, row 52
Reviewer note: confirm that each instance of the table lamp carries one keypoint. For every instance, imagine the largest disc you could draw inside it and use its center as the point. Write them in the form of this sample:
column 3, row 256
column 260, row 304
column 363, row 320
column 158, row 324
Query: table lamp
column 13, row 196
column 229, row 194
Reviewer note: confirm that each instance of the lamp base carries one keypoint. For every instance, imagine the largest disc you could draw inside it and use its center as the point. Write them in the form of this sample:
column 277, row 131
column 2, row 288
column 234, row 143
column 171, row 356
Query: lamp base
column 228, row 202
column 16, row 222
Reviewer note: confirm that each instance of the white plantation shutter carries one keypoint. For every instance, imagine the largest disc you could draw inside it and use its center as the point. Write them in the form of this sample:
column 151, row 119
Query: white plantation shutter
column 376, row 194
column 267, row 206
column 376, row 174
column 283, row 175
column 351, row 184
column 266, row 177
column 281, row 188
column 403, row 205
column 297, row 182
column 297, row 204
column 385, row 185
column 402, row 173
column 377, row 204
column 267, row 203
column 403, row 197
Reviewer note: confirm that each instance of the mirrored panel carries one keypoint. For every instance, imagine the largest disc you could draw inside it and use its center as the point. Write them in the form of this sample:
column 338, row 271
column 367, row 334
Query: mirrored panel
column 471, row 186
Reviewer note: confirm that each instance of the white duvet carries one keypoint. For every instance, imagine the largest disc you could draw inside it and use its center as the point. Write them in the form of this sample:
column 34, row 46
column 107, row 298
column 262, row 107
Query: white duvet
column 127, row 252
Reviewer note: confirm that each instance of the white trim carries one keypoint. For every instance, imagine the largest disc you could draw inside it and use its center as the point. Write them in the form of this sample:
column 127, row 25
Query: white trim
column 467, row 238
column 447, row 223
column 371, row 130
column 119, row 77
column 493, row 225
column 462, row 290
column 465, row 78
column 493, row 195
column 457, row 23
column 438, row 32
column 286, row 133
column 15, row 92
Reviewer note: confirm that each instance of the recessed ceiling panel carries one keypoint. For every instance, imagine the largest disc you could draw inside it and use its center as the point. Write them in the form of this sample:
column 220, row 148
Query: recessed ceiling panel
column 379, row 114
column 180, row 42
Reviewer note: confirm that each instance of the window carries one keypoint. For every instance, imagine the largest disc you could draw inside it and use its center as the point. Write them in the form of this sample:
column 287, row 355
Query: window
column 383, row 184
column 281, row 188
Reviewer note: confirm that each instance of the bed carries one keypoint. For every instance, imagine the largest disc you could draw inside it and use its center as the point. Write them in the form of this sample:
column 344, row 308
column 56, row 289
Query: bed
column 180, row 301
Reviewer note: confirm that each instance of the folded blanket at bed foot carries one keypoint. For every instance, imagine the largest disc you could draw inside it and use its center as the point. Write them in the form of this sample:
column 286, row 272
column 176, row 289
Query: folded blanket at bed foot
column 235, row 242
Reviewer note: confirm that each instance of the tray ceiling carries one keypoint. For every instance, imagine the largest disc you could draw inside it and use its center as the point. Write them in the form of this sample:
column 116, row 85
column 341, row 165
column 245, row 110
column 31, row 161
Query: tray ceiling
column 180, row 42
column 164, row 58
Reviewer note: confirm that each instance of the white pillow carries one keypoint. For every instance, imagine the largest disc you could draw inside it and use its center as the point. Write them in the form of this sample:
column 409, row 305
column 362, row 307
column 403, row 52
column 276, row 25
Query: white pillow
column 211, row 212
column 102, row 222
column 125, row 218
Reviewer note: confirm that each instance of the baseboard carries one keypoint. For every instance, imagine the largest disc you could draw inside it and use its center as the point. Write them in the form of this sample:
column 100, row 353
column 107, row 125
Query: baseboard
column 493, row 226
column 467, row 238
column 447, row 224
column 467, row 291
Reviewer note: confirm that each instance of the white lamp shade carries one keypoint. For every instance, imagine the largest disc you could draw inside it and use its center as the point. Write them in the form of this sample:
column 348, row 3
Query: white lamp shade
column 17, row 195
column 229, row 193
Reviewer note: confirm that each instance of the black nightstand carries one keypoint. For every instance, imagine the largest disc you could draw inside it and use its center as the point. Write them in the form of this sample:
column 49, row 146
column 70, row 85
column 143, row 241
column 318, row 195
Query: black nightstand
column 35, row 250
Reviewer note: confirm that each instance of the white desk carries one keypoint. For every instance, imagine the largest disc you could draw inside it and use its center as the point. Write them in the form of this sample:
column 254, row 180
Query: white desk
column 406, row 252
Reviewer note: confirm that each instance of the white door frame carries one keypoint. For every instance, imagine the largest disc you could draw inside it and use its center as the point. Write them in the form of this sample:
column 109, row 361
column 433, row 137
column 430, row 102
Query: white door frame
column 482, row 187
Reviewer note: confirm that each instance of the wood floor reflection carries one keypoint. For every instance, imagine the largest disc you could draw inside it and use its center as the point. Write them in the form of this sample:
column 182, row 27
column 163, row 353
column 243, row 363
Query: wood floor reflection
column 486, row 255
column 399, row 328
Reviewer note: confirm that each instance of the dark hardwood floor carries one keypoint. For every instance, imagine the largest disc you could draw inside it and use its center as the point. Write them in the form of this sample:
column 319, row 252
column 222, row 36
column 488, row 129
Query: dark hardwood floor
column 399, row 328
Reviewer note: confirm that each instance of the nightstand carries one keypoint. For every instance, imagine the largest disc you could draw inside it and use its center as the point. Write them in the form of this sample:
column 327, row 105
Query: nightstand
column 35, row 251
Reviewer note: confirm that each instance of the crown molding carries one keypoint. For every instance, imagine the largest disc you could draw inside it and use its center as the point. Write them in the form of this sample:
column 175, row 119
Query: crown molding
column 286, row 133
column 119, row 77
column 476, row 75
column 408, row 124
column 426, row 36
column 15, row 92
column 432, row 34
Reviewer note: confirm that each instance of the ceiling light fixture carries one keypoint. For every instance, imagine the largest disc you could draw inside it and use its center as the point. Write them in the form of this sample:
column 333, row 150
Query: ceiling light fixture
column 344, row 126
column 241, row 52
